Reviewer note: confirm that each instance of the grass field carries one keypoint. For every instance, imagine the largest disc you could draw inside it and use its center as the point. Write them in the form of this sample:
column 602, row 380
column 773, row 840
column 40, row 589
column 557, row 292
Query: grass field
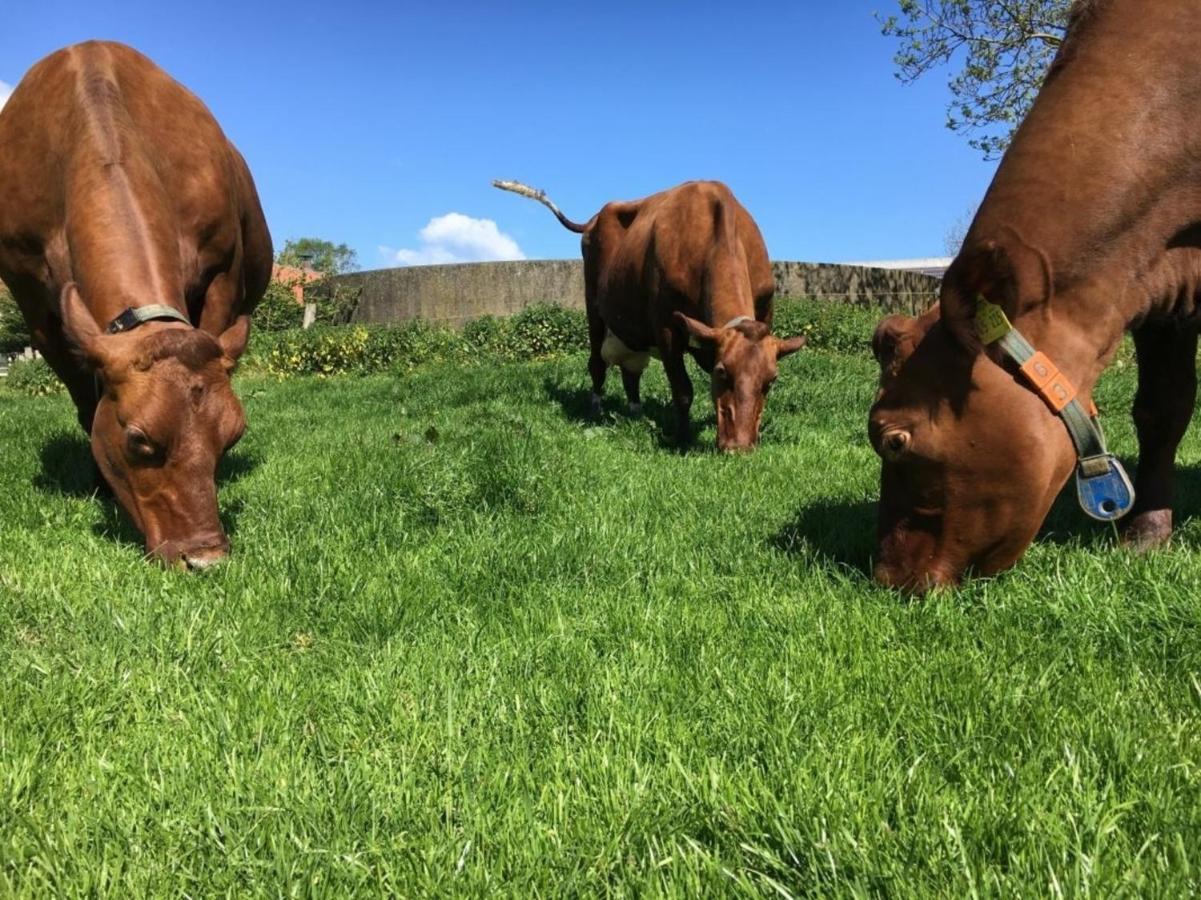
column 471, row 642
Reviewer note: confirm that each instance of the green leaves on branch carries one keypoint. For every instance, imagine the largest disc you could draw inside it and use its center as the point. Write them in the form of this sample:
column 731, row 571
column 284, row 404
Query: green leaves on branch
column 1006, row 48
column 320, row 255
column 14, row 333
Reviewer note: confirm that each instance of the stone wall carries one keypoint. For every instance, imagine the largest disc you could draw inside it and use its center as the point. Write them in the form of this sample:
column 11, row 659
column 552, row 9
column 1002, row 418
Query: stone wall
column 455, row 294
column 891, row 290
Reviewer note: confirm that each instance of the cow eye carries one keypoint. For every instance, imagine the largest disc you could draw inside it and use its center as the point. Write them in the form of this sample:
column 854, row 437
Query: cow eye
column 721, row 372
column 140, row 446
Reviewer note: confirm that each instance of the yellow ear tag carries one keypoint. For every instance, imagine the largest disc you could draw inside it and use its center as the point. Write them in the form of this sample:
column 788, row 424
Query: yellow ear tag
column 991, row 322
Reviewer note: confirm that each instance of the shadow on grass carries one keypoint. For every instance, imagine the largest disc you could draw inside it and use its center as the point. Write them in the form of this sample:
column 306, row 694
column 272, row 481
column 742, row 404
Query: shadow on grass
column 68, row 469
column 576, row 404
column 842, row 532
column 1067, row 523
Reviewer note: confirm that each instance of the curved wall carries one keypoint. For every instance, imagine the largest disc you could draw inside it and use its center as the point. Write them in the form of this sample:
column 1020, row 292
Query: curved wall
column 455, row 294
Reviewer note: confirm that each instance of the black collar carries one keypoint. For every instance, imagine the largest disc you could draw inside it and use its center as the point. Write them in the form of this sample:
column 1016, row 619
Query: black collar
column 132, row 317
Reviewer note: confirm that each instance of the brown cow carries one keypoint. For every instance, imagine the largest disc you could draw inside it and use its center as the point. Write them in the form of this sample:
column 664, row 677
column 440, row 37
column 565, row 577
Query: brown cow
column 682, row 271
column 1090, row 227
column 132, row 238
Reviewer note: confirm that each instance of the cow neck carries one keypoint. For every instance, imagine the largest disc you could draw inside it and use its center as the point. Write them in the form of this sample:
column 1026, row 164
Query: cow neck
column 727, row 315
column 123, row 252
column 1102, row 485
column 1091, row 181
column 1060, row 329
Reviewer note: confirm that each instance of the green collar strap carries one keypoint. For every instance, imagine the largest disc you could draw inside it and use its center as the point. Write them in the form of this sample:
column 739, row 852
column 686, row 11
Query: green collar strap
column 133, row 316
column 1102, row 485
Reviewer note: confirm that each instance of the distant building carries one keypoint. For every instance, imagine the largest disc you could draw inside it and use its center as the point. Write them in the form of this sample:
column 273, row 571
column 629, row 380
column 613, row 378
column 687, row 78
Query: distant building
column 295, row 278
column 936, row 266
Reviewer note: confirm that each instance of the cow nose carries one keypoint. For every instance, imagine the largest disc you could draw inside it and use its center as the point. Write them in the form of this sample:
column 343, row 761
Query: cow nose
column 200, row 560
column 207, row 553
column 913, row 584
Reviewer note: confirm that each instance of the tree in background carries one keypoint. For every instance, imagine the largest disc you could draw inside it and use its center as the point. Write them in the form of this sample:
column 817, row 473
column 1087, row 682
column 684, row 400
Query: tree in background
column 281, row 307
column 325, row 257
column 1007, row 47
column 14, row 333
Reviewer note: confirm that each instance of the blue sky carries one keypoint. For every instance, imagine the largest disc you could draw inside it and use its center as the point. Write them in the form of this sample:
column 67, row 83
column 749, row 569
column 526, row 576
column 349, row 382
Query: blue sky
column 372, row 123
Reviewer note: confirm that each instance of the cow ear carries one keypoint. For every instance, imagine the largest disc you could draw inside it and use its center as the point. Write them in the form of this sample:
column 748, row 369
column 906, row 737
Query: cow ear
column 897, row 337
column 887, row 339
column 698, row 330
column 80, row 327
column 233, row 339
column 789, row 346
column 1008, row 272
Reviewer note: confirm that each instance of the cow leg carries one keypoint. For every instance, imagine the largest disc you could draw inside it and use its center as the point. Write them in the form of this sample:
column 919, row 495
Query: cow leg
column 681, row 394
column 1163, row 406
column 597, row 367
column 632, row 380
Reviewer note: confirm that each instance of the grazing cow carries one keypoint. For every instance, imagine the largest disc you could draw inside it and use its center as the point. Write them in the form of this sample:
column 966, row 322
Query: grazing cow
column 1092, row 225
column 133, row 241
column 682, row 271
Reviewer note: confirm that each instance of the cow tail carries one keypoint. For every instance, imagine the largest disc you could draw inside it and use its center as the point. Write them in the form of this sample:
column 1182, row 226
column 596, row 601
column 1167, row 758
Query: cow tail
column 534, row 194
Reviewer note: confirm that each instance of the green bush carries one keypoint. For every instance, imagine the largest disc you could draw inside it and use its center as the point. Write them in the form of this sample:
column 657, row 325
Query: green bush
column 317, row 351
column 279, row 311
column 14, row 333
column 416, row 342
column 535, row 333
column 356, row 349
column 33, row 377
column 545, row 330
column 488, row 336
column 829, row 326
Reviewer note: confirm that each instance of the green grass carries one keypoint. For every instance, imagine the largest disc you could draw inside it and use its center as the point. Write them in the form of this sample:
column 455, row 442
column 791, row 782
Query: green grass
column 469, row 642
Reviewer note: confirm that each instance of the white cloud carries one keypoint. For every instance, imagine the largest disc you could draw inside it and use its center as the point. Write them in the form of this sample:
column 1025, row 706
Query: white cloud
column 454, row 238
column 5, row 90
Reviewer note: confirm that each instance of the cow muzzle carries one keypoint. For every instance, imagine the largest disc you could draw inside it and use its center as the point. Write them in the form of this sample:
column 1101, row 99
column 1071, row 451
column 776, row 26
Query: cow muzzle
column 196, row 554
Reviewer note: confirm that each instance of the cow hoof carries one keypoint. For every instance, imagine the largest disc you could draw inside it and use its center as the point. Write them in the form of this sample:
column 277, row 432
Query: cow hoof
column 1148, row 530
column 636, row 410
column 595, row 406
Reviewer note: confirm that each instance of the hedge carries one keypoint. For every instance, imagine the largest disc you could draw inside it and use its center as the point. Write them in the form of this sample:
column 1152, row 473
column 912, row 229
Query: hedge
column 539, row 332
column 33, row 377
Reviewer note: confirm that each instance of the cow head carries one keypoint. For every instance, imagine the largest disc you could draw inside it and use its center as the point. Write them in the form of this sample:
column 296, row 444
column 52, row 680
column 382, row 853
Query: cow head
column 165, row 418
column 972, row 459
column 744, row 369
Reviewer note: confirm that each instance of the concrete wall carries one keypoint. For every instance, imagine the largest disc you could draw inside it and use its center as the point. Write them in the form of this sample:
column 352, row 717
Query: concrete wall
column 455, row 294
column 885, row 289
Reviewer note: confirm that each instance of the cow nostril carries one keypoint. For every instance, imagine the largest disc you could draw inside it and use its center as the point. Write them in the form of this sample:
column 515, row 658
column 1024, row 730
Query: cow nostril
column 198, row 562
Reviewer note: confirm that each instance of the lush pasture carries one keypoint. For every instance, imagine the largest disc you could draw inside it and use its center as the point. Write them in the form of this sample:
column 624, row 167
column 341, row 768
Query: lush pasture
column 470, row 641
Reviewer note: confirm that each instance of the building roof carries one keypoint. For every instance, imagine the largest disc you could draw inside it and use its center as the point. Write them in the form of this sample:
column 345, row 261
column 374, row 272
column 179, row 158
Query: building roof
column 935, row 265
